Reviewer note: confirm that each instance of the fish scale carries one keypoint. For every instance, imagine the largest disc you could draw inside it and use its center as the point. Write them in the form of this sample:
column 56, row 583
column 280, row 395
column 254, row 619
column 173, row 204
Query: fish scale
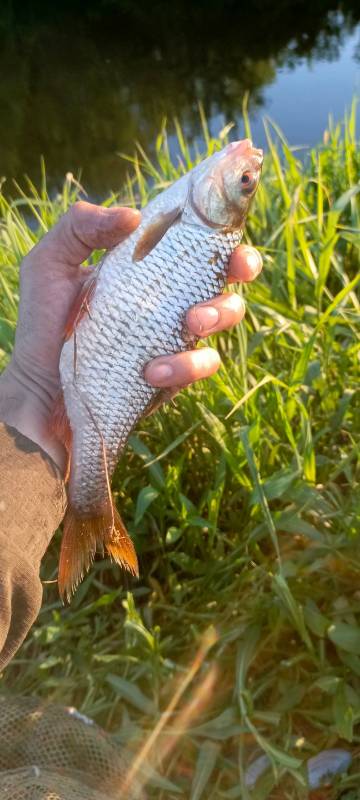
column 136, row 313
column 107, row 372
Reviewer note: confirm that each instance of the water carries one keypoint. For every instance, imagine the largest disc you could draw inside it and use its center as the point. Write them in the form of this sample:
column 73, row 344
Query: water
column 82, row 86
column 301, row 99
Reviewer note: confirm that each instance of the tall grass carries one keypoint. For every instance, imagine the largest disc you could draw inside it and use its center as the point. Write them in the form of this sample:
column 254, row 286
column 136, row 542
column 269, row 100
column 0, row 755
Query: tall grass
column 242, row 498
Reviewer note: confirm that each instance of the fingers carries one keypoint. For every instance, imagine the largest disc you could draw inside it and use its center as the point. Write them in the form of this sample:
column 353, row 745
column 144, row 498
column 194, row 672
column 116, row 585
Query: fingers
column 182, row 368
column 86, row 227
column 216, row 315
column 245, row 264
column 202, row 320
column 205, row 319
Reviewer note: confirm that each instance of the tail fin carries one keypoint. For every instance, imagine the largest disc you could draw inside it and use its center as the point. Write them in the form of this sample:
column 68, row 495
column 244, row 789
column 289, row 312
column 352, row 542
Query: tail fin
column 82, row 536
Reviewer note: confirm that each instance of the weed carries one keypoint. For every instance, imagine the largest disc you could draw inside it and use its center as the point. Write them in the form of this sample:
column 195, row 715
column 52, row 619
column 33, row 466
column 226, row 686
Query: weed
column 242, row 498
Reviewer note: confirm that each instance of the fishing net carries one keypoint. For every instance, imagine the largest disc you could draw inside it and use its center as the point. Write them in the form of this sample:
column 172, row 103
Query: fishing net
column 48, row 752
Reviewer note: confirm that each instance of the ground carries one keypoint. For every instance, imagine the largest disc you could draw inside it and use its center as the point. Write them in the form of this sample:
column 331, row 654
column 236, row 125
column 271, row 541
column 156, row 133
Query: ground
column 244, row 504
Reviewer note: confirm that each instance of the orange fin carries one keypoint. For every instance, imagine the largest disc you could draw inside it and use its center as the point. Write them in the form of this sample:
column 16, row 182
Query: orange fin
column 59, row 423
column 120, row 546
column 59, row 427
column 82, row 536
column 80, row 306
column 154, row 232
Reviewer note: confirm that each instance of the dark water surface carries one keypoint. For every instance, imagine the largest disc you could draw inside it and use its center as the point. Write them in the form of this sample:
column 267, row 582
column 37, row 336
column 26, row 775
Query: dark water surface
column 80, row 82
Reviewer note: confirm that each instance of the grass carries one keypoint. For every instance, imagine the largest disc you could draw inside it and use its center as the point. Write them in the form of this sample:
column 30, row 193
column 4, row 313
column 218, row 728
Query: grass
column 243, row 499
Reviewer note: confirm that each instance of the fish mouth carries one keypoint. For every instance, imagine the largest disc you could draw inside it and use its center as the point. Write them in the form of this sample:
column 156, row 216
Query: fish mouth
column 245, row 148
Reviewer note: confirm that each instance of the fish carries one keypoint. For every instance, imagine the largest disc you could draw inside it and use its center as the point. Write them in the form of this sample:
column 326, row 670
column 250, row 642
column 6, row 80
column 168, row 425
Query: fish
column 130, row 311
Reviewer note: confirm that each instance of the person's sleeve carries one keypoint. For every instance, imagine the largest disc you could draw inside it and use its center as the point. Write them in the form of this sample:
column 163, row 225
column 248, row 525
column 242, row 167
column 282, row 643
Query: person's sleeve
column 32, row 505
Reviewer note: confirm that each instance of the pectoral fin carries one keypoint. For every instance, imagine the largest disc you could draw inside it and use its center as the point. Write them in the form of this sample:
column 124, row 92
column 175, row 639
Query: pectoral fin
column 154, row 232
column 80, row 306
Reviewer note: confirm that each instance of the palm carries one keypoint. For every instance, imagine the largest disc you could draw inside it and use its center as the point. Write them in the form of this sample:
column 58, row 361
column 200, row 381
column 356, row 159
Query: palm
column 51, row 277
column 47, row 294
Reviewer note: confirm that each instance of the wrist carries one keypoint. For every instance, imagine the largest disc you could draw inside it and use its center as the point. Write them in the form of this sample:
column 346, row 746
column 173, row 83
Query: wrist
column 26, row 406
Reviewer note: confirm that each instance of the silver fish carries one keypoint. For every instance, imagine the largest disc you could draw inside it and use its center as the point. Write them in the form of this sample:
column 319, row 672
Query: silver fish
column 133, row 311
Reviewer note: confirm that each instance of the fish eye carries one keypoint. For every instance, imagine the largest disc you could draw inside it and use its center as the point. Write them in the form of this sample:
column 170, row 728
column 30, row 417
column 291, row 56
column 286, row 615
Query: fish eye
column 248, row 181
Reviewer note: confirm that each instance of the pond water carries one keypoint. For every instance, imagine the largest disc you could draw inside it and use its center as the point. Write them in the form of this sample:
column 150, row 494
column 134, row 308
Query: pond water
column 81, row 84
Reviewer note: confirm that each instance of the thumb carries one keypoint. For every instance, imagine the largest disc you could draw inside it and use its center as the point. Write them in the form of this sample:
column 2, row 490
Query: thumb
column 86, row 227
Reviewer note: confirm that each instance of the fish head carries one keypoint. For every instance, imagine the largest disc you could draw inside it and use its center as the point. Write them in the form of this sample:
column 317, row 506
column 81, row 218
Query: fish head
column 222, row 190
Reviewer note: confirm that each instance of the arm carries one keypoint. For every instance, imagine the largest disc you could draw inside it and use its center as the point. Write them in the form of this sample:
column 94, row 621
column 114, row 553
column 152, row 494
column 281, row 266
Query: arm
column 32, row 494
column 32, row 504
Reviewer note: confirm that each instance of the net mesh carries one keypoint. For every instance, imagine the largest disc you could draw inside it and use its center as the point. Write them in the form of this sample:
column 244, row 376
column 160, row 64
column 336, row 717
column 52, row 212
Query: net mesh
column 48, row 752
column 34, row 783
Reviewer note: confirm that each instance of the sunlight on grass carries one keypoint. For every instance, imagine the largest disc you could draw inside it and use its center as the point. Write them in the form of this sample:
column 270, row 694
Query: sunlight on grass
column 243, row 500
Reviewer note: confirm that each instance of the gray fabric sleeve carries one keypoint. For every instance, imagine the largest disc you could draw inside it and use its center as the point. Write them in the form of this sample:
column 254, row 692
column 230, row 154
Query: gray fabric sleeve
column 32, row 505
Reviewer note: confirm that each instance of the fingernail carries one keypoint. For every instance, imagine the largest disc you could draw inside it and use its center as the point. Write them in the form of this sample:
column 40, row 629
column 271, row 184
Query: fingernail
column 133, row 213
column 254, row 262
column 207, row 317
column 160, row 372
column 127, row 214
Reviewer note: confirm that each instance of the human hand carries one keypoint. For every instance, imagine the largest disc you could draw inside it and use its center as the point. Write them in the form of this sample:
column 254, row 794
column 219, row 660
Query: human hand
column 205, row 319
column 51, row 276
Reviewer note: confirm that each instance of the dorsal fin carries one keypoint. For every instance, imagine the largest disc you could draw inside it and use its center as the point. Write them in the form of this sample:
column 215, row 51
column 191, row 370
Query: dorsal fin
column 80, row 306
column 154, row 232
